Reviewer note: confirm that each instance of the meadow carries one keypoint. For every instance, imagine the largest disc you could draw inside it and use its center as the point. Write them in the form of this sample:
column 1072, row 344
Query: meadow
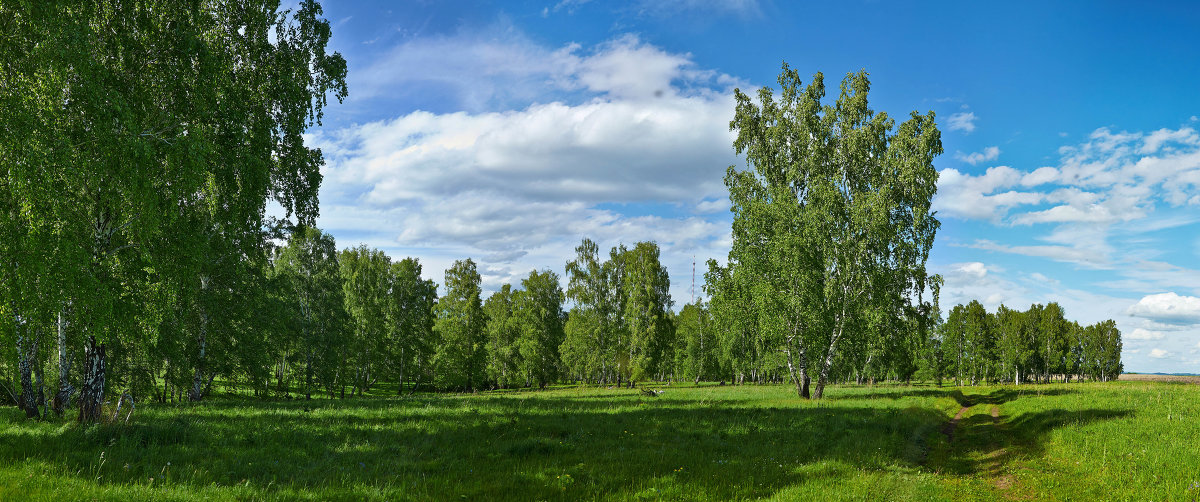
column 1095, row 441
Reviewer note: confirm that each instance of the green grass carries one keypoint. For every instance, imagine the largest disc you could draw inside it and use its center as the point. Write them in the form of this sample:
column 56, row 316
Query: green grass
column 1117, row 441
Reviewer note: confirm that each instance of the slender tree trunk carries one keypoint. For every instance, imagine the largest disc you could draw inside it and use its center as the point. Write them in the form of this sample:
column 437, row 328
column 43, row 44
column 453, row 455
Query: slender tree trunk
column 798, row 372
column 197, row 391
column 92, row 396
column 25, row 354
column 400, row 386
column 62, row 398
column 39, row 373
column 823, row 377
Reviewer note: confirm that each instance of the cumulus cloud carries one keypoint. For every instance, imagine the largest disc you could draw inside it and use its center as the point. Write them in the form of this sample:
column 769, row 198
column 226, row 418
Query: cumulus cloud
column 1159, row 354
column 1144, row 334
column 964, row 121
column 518, row 188
column 974, row 269
column 1168, row 308
column 988, row 154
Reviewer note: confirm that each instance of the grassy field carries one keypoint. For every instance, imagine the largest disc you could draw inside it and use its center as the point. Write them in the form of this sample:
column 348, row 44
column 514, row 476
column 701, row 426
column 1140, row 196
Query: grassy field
column 1116, row 441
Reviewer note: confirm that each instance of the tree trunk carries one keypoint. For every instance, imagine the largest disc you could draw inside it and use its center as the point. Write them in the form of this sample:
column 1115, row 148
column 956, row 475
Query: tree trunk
column 823, row 377
column 197, row 391
column 25, row 355
column 62, row 398
column 798, row 372
column 308, row 374
column 400, row 386
column 92, row 395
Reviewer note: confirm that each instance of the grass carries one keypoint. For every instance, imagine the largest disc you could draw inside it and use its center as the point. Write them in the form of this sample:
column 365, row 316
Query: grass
column 1115, row 441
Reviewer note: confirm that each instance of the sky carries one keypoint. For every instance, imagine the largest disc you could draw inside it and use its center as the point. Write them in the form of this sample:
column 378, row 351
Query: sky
column 507, row 132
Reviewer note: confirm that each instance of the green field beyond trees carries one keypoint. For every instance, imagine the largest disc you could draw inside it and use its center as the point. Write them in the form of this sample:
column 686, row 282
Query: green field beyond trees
column 1093, row 441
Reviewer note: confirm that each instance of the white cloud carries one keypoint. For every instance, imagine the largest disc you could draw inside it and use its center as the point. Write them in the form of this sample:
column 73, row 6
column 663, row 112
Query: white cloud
column 639, row 133
column 1144, row 334
column 1080, row 256
column 1159, row 354
column 988, row 154
column 980, row 197
column 1168, row 308
column 1155, row 140
column 975, row 269
column 744, row 8
column 963, row 121
column 1040, row 176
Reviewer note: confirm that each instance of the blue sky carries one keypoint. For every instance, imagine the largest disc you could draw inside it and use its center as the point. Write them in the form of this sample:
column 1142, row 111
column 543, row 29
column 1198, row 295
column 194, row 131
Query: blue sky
column 508, row 131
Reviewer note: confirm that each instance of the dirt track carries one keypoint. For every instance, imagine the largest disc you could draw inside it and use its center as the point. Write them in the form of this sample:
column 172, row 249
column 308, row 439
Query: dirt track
column 1129, row 377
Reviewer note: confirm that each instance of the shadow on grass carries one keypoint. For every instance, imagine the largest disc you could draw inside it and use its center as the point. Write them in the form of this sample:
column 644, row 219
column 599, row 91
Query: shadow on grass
column 985, row 445
column 548, row 446
column 998, row 396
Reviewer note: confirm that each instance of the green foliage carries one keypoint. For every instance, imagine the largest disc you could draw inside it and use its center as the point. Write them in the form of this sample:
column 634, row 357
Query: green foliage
column 461, row 357
column 696, row 341
column 503, row 355
column 308, row 268
column 647, row 299
column 1016, row 346
column 411, row 339
column 366, row 283
column 832, row 222
column 538, row 315
column 141, row 144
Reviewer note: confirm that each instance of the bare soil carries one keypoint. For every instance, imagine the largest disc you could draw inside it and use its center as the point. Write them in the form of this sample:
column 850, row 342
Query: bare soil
column 948, row 430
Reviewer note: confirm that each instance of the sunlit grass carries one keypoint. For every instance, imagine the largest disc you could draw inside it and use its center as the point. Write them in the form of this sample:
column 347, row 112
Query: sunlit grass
column 1095, row 441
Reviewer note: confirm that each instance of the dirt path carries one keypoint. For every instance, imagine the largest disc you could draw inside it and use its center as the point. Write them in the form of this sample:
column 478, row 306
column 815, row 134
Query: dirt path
column 998, row 459
column 948, row 430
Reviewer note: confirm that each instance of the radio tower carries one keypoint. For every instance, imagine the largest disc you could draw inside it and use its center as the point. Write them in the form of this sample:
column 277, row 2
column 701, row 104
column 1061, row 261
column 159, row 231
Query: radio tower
column 693, row 279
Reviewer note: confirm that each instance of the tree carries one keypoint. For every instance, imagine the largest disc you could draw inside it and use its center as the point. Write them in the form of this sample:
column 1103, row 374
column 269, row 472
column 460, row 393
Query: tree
column 460, row 359
column 833, row 217
column 647, row 299
column 588, row 346
column 538, row 315
column 165, row 128
column 366, row 279
column 503, row 355
column 410, row 320
column 1052, row 340
column 1013, row 342
column 734, row 318
column 697, row 358
column 308, row 265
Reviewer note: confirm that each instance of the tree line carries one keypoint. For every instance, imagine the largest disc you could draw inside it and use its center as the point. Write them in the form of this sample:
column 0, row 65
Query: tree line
column 1038, row 345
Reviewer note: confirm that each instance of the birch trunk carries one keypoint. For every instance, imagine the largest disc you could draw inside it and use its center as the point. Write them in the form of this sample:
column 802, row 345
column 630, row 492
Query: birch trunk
column 823, row 377
column 28, row 398
column 62, row 398
column 91, row 398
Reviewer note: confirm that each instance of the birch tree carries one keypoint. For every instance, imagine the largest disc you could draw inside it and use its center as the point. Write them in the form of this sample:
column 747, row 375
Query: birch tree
column 538, row 315
column 411, row 341
column 832, row 218
column 461, row 355
column 503, row 355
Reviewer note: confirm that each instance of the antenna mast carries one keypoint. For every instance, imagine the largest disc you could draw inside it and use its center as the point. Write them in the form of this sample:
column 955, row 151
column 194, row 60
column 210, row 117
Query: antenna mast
column 693, row 279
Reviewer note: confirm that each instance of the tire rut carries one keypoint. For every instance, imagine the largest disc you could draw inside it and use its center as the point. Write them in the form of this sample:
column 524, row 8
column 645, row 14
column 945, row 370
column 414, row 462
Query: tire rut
column 948, row 430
